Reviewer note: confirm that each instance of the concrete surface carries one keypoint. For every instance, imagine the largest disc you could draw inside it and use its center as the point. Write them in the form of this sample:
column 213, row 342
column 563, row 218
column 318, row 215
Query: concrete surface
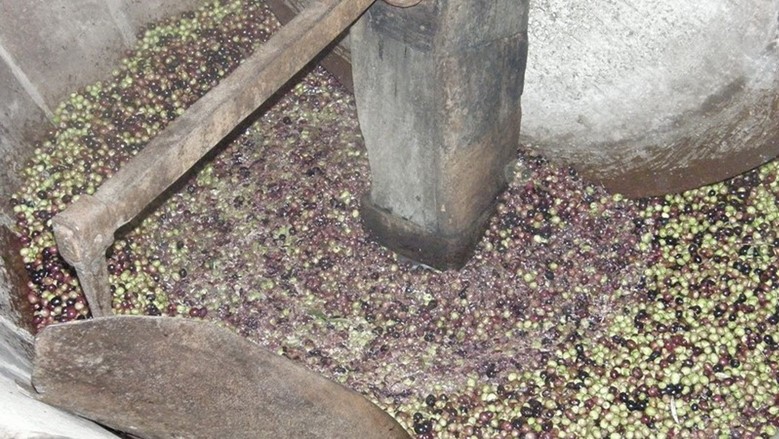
column 22, row 116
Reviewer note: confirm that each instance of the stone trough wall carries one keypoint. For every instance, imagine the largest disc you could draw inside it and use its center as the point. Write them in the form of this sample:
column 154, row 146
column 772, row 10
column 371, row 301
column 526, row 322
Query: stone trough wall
column 47, row 50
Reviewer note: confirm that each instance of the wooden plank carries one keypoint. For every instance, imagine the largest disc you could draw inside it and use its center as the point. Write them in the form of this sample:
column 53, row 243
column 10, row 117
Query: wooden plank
column 158, row 377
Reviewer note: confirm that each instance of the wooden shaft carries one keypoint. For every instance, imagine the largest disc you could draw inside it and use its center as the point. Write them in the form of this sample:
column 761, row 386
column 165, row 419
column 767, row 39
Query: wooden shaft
column 210, row 119
column 85, row 229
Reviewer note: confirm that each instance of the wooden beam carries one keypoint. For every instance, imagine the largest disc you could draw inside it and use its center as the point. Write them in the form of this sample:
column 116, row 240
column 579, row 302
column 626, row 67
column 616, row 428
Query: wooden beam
column 438, row 91
column 84, row 231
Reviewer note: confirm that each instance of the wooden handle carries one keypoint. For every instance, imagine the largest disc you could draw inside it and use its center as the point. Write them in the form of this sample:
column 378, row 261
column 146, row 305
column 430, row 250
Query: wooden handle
column 86, row 228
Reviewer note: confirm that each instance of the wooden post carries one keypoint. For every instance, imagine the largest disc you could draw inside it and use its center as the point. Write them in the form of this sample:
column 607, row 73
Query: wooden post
column 438, row 89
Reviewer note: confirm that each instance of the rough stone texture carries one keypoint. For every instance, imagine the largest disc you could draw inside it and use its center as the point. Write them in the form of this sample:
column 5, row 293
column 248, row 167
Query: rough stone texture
column 21, row 119
column 167, row 378
column 51, row 40
column 13, row 301
column 438, row 87
column 651, row 97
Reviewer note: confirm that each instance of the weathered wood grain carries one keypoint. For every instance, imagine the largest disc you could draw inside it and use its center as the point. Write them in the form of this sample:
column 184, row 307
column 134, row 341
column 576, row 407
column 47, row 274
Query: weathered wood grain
column 157, row 377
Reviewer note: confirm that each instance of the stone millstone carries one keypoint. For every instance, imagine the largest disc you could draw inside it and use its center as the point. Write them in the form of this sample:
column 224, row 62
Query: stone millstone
column 159, row 377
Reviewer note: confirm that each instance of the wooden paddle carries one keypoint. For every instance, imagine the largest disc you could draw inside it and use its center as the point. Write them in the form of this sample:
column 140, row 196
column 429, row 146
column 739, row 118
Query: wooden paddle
column 159, row 377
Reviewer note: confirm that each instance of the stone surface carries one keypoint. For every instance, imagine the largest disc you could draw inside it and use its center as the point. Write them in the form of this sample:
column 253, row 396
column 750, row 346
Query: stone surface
column 654, row 97
column 21, row 121
column 50, row 42
column 438, row 89
column 167, row 378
